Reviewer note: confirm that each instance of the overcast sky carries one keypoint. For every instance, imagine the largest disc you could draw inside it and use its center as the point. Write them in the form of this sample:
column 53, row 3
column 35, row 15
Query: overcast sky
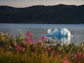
column 27, row 3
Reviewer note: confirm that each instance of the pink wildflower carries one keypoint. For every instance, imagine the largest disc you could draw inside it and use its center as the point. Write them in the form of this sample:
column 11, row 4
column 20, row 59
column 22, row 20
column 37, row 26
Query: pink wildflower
column 29, row 34
column 28, row 40
column 23, row 49
column 38, row 40
column 83, row 55
column 44, row 37
column 17, row 46
column 49, row 48
column 79, row 54
column 65, row 61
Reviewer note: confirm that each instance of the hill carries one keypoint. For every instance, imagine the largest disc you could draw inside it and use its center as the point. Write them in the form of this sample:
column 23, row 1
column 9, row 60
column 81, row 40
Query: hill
column 57, row 14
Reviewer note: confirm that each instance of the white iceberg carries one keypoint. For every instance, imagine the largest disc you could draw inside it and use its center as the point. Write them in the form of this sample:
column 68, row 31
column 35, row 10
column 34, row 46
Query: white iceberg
column 63, row 32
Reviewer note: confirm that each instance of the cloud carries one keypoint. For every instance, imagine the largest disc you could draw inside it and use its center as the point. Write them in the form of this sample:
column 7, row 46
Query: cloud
column 26, row 3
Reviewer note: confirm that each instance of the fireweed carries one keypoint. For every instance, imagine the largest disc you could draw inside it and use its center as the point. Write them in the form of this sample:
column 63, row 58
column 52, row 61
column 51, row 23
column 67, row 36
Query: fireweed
column 25, row 49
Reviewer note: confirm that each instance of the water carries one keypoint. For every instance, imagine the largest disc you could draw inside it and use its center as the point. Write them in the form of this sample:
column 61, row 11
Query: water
column 77, row 30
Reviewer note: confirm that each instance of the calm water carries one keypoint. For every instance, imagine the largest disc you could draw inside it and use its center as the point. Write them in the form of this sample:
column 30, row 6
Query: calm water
column 77, row 30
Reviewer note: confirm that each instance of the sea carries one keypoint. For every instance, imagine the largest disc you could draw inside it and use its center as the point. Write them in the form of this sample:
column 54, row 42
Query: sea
column 39, row 30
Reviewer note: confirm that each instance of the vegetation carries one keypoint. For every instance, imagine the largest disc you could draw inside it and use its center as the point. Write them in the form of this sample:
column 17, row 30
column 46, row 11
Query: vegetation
column 25, row 49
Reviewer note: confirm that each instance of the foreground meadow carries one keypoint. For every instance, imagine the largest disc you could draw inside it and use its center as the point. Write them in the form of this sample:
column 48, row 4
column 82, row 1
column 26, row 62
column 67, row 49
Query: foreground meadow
column 25, row 49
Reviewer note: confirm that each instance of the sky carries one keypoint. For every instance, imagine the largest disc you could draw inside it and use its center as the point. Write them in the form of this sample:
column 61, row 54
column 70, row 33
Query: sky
column 27, row 3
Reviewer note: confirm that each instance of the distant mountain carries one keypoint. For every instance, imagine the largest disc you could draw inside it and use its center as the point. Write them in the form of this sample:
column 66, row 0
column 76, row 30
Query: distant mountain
column 57, row 14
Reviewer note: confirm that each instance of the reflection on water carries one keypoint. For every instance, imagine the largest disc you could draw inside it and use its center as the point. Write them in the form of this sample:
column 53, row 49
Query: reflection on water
column 64, row 40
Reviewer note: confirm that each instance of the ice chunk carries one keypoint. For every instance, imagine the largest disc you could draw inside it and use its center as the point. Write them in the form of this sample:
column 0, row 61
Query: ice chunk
column 65, row 32
column 59, row 32
column 62, row 34
column 49, row 31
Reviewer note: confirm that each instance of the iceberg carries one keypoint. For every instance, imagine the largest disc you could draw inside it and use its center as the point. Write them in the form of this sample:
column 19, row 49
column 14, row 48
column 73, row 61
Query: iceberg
column 62, row 34
column 65, row 32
